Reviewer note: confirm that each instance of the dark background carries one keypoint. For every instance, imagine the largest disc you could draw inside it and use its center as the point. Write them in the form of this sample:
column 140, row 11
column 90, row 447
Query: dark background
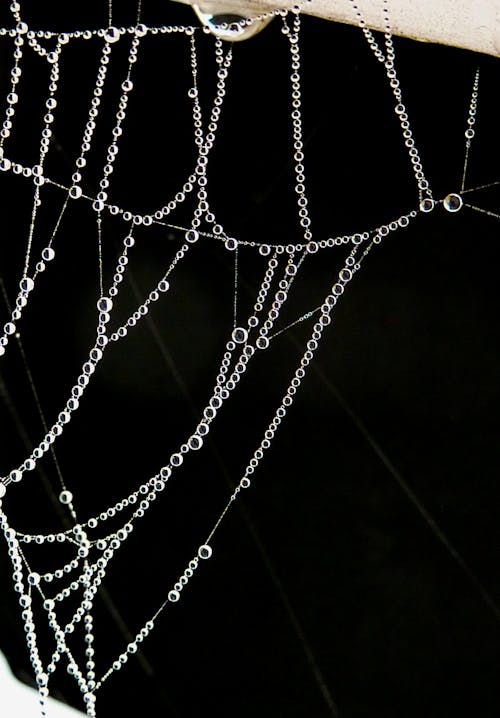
column 359, row 574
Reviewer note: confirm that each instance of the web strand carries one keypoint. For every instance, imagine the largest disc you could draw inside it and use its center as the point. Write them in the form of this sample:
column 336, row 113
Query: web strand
column 99, row 254
column 235, row 291
column 487, row 212
column 470, row 132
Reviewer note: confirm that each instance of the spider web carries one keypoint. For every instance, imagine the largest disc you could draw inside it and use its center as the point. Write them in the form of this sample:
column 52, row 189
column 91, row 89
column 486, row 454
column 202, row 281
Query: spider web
column 60, row 202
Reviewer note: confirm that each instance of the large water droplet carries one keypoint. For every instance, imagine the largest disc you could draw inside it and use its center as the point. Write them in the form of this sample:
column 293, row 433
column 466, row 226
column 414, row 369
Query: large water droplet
column 427, row 205
column 66, row 497
column 453, row 202
column 239, row 335
column 205, row 551
column 112, row 34
column 229, row 26
column 104, row 304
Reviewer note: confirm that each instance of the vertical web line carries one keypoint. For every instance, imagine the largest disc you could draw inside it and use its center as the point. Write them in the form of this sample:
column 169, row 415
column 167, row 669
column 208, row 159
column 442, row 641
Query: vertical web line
column 99, row 253
column 235, row 295
column 31, row 231
column 469, row 132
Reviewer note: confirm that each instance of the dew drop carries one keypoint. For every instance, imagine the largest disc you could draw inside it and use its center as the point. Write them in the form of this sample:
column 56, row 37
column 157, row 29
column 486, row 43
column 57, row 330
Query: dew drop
column 27, row 284
column 112, row 34
column 453, row 202
column 239, row 335
column 427, row 205
column 205, row 551
column 192, row 235
column 66, row 497
column 105, row 304
column 195, row 442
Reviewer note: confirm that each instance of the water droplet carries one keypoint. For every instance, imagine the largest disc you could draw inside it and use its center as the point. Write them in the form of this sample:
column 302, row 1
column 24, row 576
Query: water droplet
column 48, row 254
column 195, row 442
column 105, row 304
column 205, row 551
column 42, row 679
column 66, row 497
column 453, row 202
column 229, row 26
column 239, row 335
column 427, row 205
column 27, row 284
column 192, row 235
column 112, row 34
column 176, row 459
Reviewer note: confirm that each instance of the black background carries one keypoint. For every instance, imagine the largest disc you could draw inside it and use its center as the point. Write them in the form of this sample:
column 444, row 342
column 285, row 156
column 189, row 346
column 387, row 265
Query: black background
column 359, row 574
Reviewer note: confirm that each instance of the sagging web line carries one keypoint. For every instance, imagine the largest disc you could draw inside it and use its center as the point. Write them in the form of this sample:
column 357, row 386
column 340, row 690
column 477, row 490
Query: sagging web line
column 240, row 336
